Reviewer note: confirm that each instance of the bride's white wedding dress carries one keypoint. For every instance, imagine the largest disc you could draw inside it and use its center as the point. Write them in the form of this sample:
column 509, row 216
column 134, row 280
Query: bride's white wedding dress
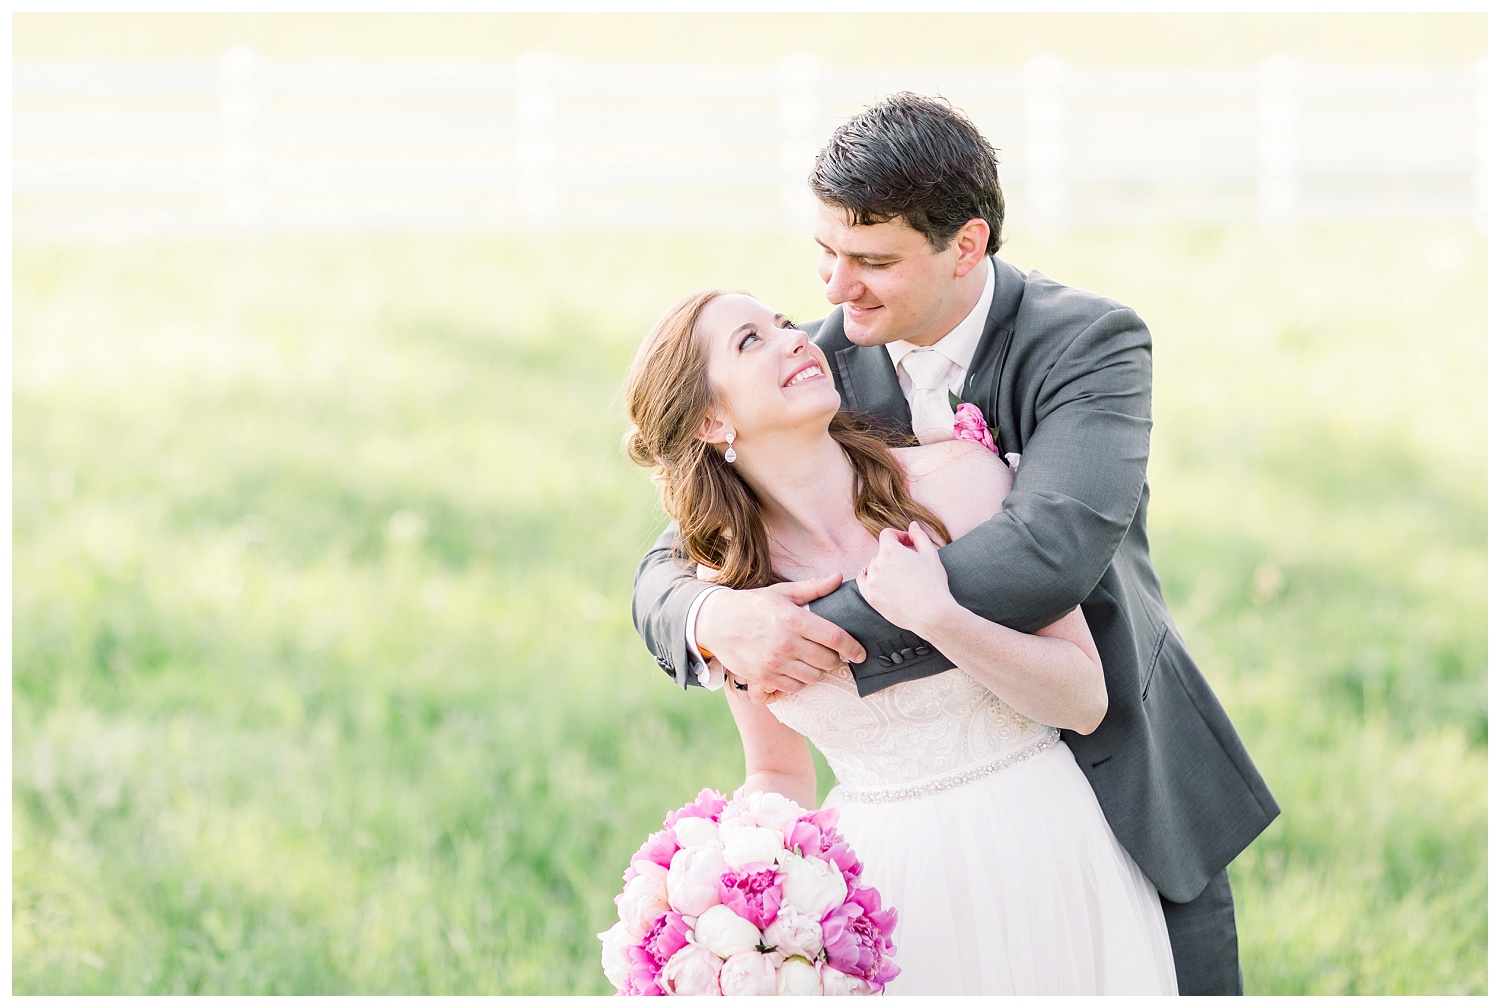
column 975, row 823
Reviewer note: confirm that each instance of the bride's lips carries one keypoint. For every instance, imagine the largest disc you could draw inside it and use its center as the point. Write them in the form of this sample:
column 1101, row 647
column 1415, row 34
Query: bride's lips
column 807, row 372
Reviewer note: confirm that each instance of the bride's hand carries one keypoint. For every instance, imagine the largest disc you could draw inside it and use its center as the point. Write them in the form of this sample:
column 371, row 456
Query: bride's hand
column 754, row 692
column 906, row 582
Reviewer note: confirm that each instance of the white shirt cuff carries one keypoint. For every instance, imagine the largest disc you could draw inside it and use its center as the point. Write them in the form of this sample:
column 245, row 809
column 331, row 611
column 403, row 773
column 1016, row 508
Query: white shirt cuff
column 709, row 678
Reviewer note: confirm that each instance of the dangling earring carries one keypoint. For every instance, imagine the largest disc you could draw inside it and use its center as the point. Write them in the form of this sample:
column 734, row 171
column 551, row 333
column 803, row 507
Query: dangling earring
column 730, row 456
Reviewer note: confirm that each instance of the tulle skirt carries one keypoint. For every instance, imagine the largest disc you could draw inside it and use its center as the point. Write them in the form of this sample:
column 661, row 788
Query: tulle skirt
column 1012, row 884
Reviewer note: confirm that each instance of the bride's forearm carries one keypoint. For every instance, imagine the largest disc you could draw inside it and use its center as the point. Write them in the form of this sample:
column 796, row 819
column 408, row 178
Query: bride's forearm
column 1047, row 678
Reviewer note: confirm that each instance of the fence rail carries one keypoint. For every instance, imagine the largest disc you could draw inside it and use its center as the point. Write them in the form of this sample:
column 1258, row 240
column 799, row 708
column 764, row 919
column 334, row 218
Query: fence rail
column 538, row 142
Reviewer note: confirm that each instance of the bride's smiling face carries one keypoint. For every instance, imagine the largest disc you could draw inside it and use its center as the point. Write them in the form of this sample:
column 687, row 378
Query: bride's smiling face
column 768, row 376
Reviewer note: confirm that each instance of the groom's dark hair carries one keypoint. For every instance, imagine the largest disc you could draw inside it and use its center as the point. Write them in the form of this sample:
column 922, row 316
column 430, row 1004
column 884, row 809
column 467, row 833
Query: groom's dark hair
column 915, row 158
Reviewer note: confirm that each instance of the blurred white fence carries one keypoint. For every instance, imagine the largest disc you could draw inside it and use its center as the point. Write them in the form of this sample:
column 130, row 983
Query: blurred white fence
column 542, row 144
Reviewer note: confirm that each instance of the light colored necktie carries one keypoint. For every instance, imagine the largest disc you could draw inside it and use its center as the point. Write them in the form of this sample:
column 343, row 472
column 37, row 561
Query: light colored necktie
column 931, row 416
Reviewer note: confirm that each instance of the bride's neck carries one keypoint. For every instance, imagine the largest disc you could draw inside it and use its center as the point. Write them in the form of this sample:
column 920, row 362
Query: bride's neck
column 806, row 493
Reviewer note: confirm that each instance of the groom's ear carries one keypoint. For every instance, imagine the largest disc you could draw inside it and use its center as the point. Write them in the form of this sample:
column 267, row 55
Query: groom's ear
column 972, row 241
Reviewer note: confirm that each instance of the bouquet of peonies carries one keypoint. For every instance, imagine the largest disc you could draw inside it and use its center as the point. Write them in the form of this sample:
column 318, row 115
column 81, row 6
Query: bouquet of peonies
column 752, row 895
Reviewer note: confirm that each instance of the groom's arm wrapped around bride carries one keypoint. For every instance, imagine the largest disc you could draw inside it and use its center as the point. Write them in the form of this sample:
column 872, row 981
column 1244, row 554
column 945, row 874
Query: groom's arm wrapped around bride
column 1066, row 376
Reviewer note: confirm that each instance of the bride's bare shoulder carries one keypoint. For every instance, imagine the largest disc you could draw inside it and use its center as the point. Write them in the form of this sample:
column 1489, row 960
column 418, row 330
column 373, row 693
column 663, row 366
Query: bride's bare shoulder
column 962, row 482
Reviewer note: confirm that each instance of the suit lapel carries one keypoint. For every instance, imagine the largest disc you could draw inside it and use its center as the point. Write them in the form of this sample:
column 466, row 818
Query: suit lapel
column 866, row 378
column 870, row 385
column 983, row 386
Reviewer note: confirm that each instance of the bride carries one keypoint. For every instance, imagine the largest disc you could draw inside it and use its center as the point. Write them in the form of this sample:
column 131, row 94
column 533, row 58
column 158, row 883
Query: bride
column 969, row 812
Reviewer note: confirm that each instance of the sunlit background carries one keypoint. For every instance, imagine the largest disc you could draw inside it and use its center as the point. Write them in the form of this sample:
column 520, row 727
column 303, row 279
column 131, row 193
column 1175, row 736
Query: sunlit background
column 324, row 679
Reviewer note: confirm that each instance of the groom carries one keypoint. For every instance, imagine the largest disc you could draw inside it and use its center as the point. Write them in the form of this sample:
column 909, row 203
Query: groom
column 909, row 221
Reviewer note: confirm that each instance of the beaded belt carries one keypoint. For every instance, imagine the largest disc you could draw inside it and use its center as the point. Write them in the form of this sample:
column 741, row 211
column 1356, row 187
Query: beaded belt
column 873, row 796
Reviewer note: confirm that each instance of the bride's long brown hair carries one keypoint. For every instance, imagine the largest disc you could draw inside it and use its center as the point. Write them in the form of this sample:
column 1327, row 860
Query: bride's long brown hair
column 668, row 395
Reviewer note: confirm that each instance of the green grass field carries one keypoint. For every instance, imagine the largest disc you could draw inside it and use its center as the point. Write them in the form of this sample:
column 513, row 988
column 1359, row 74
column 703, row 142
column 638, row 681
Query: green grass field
column 324, row 679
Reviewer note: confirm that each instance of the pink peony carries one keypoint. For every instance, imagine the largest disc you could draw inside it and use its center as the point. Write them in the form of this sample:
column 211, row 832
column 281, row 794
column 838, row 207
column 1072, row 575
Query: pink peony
column 868, row 899
column 707, row 805
column 813, row 835
column 969, row 425
column 658, row 849
column 856, row 937
column 666, row 937
column 752, row 892
column 643, row 975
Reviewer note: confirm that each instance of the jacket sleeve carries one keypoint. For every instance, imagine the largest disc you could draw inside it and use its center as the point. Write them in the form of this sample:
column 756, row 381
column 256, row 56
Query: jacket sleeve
column 664, row 592
column 1082, row 472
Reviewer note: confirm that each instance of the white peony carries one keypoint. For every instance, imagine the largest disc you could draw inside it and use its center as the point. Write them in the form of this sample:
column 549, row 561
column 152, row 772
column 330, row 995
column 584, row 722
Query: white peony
column 724, row 932
column 836, row 983
column 615, row 940
column 643, row 900
column 693, row 880
column 812, row 885
column 798, row 977
column 692, row 970
column 749, row 974
column 771, row 810
column 746, row 844
column 794, row 932
column 735, row 812
column 695, row 831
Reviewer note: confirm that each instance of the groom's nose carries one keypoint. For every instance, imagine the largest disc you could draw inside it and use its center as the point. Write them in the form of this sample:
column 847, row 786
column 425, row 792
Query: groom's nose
column 841, row 285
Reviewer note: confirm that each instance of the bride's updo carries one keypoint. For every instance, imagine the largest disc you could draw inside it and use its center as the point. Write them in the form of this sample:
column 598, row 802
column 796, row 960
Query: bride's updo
column 667, row 397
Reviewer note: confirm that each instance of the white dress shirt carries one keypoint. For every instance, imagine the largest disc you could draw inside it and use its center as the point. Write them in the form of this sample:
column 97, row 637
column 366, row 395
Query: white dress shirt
column 958, row 346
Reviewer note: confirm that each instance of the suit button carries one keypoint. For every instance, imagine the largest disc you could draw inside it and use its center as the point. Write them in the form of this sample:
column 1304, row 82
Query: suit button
column 897, row 657
column 882, row 659
column 908, row 653
column 924, row 650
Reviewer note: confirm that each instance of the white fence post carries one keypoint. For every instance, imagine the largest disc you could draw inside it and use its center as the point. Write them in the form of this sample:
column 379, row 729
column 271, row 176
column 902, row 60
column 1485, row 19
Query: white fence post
column 239, row 119
column 799, row 76
column 1044, row 108
column 1276, row 189
column 538, row 195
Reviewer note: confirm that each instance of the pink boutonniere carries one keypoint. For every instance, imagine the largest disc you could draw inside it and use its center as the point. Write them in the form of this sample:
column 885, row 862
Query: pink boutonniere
column 969, row 425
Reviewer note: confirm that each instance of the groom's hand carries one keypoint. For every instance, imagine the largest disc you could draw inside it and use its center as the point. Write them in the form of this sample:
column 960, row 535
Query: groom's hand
column 764, row 637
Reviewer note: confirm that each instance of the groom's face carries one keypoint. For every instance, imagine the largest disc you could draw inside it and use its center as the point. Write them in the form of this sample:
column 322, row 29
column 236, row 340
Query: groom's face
column 891, row 282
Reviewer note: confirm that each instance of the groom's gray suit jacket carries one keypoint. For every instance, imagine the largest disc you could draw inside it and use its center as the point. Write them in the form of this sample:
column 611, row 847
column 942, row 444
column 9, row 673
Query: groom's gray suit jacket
column 1066, row 376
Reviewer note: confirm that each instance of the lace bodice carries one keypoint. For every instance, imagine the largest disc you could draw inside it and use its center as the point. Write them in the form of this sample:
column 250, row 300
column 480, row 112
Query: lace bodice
column 911, row 737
